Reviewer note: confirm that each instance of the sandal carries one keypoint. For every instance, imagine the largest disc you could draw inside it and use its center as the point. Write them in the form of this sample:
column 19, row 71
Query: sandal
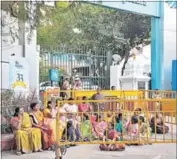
column 40, row 150
column 18, row 153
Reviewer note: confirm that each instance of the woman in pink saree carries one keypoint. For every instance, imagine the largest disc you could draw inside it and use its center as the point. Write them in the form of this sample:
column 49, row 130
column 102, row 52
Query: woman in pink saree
column 99, row 127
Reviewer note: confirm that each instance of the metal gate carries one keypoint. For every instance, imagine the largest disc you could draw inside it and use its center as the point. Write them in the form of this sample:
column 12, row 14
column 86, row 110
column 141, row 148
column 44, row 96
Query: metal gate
column 91, row 65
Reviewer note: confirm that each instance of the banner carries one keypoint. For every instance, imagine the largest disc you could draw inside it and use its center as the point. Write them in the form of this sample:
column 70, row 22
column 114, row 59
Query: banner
column 18, row 74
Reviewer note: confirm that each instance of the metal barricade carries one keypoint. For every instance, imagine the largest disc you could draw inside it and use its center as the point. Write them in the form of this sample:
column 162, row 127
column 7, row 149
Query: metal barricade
column 108, row 94
column 132, row 123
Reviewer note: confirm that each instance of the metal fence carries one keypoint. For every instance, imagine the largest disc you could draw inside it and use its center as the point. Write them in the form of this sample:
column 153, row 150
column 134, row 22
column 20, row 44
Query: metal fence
column 152, row 126
column 157, row 108
column 91, row 65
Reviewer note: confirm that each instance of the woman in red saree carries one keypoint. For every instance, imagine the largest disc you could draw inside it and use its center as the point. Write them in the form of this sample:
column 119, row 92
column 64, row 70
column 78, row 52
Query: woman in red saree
column 37, row 117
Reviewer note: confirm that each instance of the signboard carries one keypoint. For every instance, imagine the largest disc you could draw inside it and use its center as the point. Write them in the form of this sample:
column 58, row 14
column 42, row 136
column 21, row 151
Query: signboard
column 141, row 85
column 18, row 74
column 54, row 75
column 145, row 7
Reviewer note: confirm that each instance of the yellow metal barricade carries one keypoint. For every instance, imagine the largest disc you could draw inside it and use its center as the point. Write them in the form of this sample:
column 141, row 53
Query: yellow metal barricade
column 155, row 113
column 108, row 93
column 140, row 126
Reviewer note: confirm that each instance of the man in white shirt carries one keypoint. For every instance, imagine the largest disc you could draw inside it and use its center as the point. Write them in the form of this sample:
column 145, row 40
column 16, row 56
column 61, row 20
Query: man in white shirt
column 70, row 107
column 73, row 120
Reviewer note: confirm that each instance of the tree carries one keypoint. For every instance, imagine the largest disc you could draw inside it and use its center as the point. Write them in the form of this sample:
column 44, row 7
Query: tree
column 30, row 12
column 82, row 24
column 116, row 31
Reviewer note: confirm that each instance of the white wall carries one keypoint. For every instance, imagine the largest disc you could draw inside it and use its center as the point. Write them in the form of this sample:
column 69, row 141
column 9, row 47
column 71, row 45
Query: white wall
column 6, row 53
column 8, row 48
column 169, row 45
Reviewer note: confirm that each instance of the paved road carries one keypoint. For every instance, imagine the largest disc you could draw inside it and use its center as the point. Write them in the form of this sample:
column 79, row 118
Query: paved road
column 156, row 151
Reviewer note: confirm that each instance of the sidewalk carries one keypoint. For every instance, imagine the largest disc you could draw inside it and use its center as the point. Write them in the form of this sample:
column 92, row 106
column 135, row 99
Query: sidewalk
column 156, row 151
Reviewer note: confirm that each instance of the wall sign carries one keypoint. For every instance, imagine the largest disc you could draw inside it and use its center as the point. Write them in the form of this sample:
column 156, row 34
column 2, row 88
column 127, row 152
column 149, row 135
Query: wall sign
column 18, row 74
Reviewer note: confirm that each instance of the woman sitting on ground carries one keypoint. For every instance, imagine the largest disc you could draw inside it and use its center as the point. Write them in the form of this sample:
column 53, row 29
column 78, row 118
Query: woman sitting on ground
column 157, row 124
column 37, row 119
column 28, row 139
column 132, row 131
column 144, row 131
column 86, row 128
column 84, row 107
column 109, row 117
column 119, row 126
column 112, row 136
column 99, row 127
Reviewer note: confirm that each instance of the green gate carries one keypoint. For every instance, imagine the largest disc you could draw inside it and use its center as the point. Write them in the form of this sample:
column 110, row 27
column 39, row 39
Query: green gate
column 91, row 65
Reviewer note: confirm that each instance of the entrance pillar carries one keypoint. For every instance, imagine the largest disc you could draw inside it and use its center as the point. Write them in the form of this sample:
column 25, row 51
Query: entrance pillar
column 157, row 50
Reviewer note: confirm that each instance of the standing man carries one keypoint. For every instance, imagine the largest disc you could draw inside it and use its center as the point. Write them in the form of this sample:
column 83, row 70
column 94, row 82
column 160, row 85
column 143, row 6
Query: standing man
column 66, row 88
column 77, row 84
column 98, row 106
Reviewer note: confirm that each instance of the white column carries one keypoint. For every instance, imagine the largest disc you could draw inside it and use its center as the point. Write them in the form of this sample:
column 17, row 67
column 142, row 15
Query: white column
column 32, row 56
column 115, row 74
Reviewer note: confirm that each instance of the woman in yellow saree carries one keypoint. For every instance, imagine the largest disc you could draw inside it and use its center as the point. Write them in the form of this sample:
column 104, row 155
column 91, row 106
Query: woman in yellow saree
column 50, row 117
column 39, row 122
column 28, row 139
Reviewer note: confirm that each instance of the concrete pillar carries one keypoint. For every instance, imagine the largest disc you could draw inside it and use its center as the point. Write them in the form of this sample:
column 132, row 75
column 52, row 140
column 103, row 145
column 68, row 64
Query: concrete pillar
column 32, row 55
column 157, row 52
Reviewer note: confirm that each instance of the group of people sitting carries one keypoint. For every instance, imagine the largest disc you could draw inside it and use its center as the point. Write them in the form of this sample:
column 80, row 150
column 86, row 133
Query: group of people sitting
column 36, row 131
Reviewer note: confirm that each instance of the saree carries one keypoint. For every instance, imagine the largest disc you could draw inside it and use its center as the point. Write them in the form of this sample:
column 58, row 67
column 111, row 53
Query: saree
column 145, row 131
column 86, row 129
column 47, row 133
column 27, row 139
column 50, row 122
column 108, row 117
column 99, row 128
column 119, row 127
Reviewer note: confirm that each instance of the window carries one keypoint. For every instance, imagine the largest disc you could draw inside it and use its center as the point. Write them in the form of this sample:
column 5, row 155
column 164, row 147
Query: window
column 141, row 85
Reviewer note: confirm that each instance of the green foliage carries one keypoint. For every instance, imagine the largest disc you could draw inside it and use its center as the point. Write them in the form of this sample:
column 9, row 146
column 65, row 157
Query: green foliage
column 116, row 31
column 100, row 27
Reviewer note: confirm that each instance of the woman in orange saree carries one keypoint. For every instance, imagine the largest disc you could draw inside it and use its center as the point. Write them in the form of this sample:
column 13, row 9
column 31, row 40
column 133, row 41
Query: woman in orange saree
column 28, row 139
column 38, row 121
column 50, row 117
